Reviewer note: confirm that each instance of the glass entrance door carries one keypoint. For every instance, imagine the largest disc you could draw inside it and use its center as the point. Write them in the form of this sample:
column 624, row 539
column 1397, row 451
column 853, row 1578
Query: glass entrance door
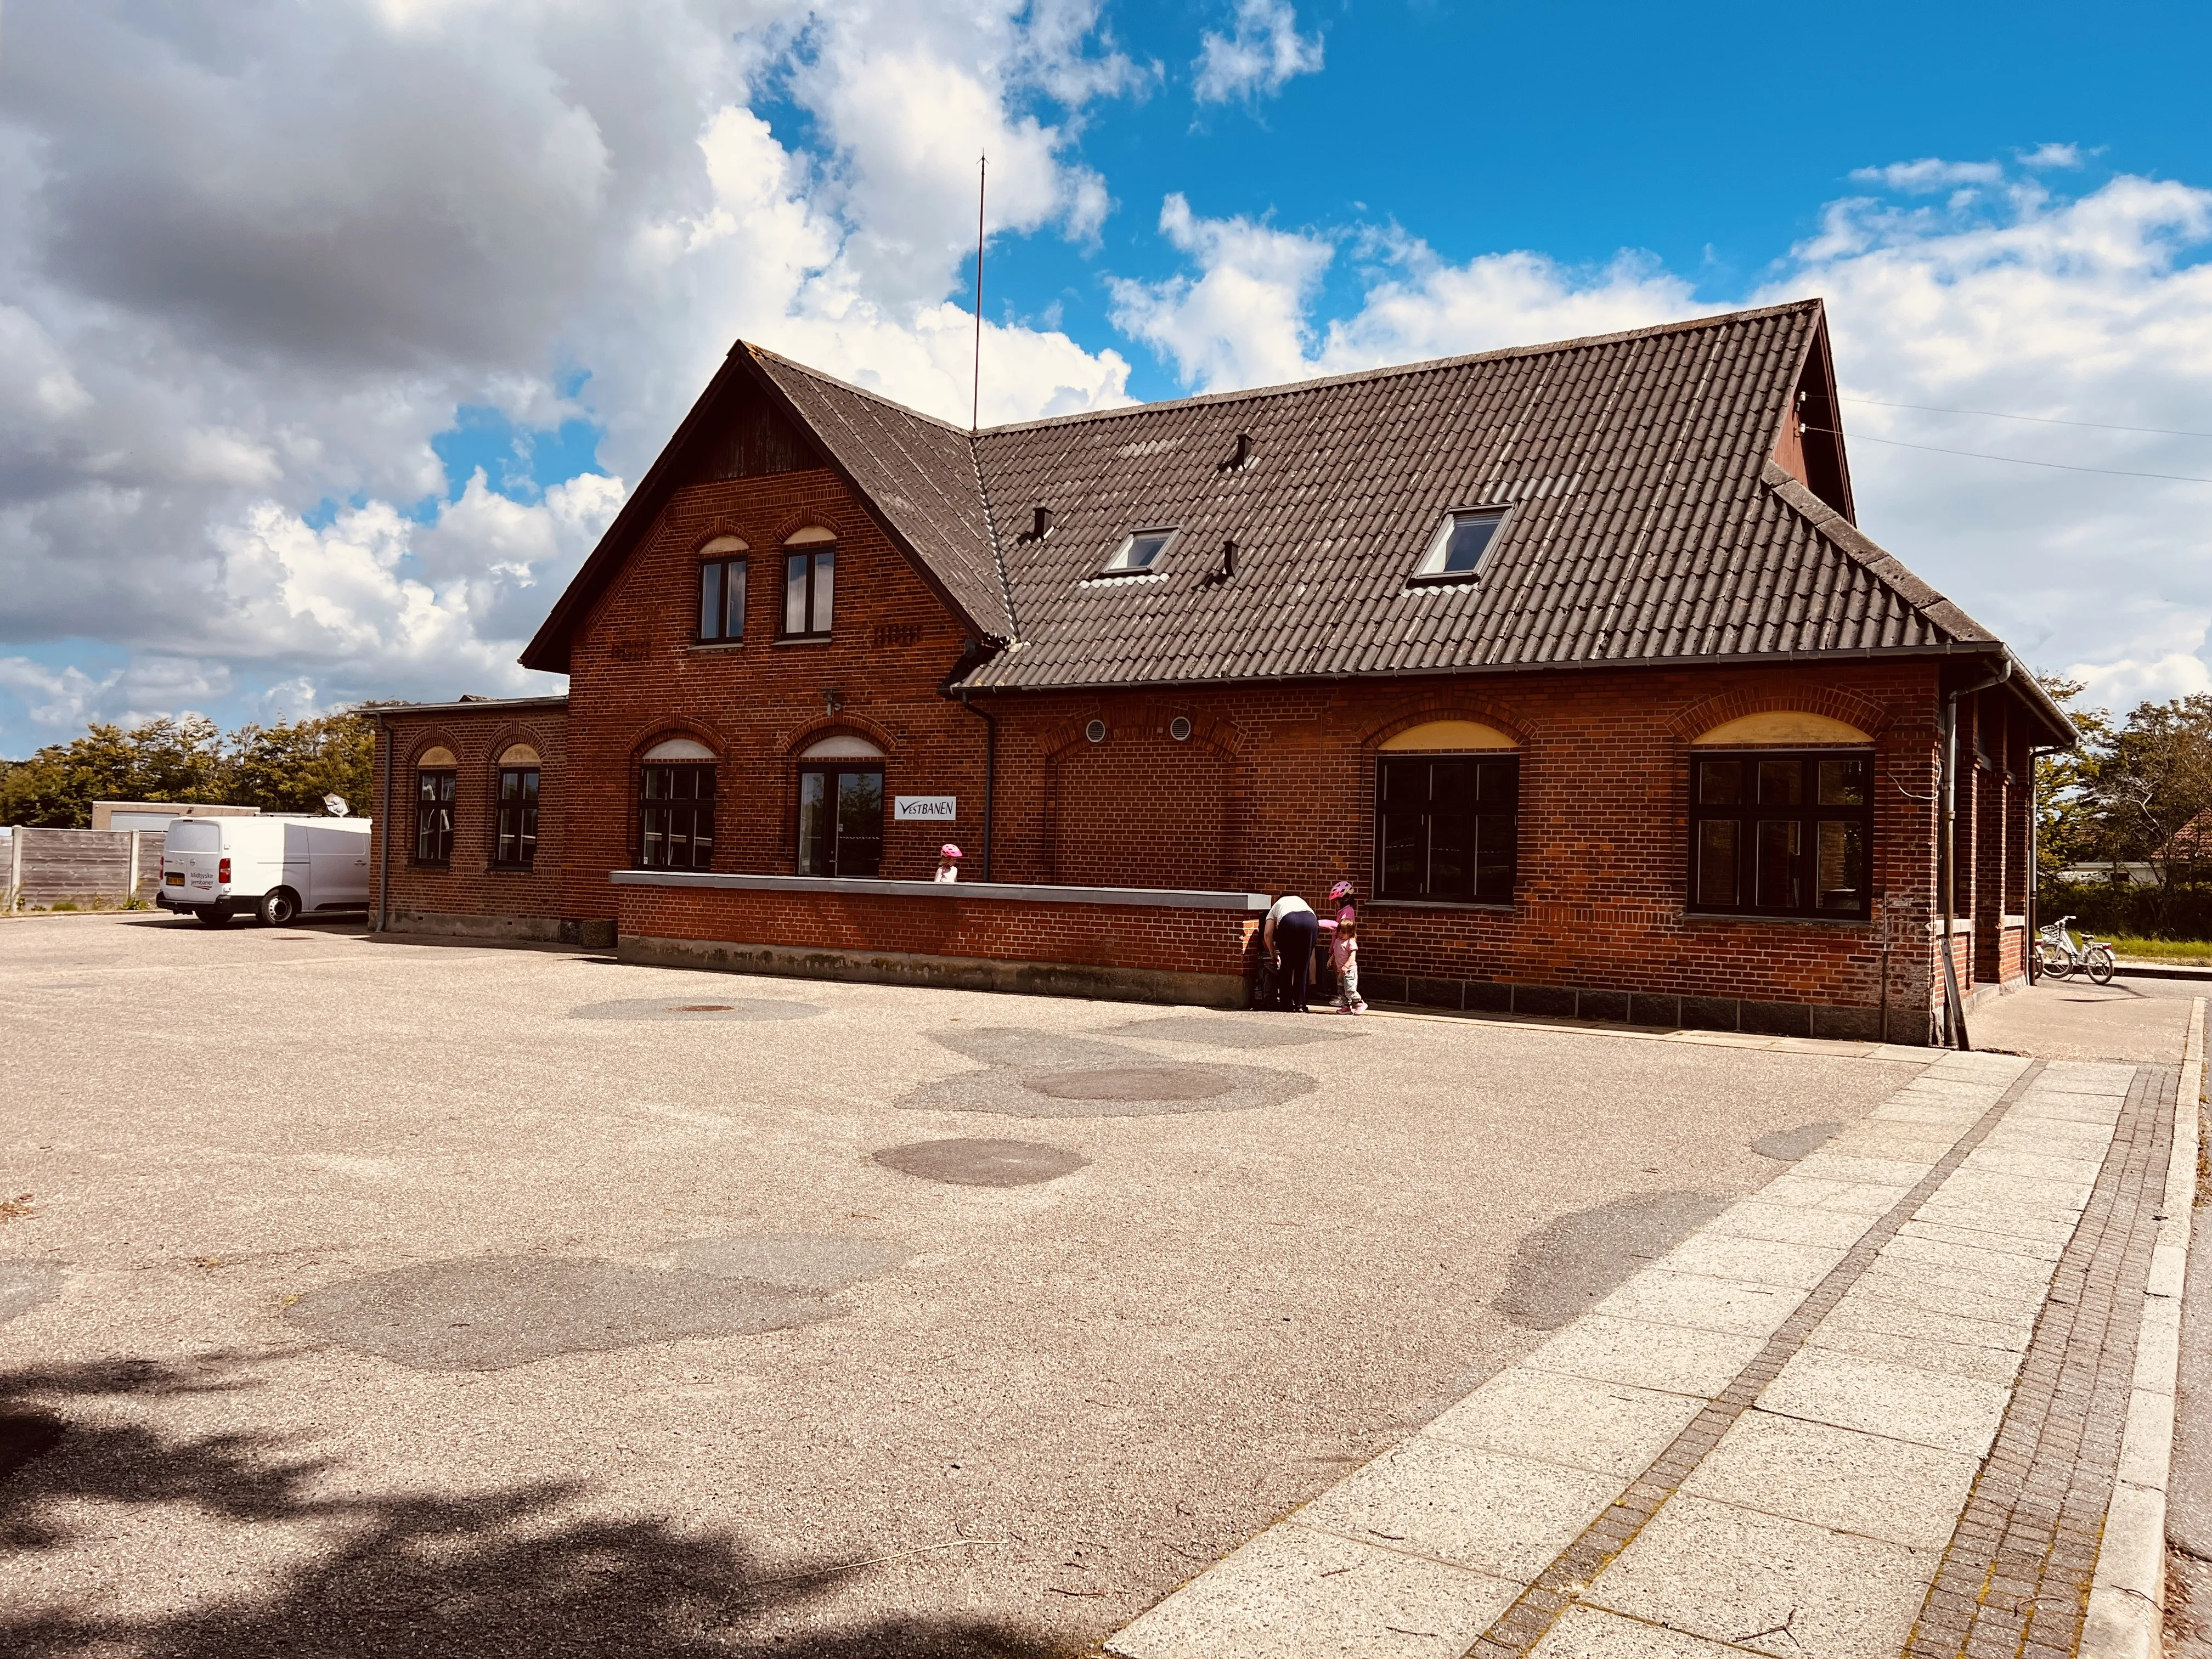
column 841, row 820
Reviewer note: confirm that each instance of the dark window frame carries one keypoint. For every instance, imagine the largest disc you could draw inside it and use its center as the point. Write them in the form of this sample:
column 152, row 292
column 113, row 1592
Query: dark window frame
column 818, row 614
column 830, row 768
column 1497, row 516
column 435, row 790
column 514, row 822
column 1756, row 856
column 1491, row 879
column 672, row 805
column 717, row 573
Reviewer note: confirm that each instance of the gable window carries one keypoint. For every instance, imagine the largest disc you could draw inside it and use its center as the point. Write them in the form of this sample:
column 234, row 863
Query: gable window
column 676, row 806
column 1455, row 551
column 1779, row 834
column 1447, row 827
column 515, row 843
column 1139, row 551
column 433, row 807
column 722, row 592
column 810, row 584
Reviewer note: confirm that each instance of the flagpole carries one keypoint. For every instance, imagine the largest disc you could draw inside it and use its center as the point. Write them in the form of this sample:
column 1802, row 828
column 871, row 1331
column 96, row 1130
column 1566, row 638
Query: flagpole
column 976, row 407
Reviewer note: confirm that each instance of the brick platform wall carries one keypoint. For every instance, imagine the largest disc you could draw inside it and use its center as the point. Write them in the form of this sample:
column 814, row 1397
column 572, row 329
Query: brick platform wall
column 1007, row 930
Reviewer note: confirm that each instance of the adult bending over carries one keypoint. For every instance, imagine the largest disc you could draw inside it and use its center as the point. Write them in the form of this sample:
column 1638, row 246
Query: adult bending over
column 1288, row 936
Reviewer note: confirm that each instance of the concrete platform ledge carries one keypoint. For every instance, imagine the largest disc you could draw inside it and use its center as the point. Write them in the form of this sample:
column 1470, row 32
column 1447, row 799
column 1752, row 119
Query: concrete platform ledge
column 1150, row 897
column 956, row 973
column 534, row 930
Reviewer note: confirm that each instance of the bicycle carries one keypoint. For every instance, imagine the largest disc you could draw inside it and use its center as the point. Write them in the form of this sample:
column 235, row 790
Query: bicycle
column 2057, row 951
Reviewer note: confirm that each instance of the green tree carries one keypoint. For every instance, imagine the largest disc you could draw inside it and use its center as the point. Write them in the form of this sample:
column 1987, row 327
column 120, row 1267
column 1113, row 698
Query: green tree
column 2152, row 782
column 292, row 766
column 2068, row 828
column 168, row 759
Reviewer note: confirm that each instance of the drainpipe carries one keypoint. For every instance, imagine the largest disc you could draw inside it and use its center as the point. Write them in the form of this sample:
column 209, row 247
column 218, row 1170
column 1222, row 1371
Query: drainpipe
column 384, row 824
column 2035, row 855
column 990, row 772
column 1953, row 1005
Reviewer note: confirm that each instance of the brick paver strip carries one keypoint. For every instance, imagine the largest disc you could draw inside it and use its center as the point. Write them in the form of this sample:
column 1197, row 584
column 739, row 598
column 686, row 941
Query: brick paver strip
column 1537, row 1608
column 2015, row 1577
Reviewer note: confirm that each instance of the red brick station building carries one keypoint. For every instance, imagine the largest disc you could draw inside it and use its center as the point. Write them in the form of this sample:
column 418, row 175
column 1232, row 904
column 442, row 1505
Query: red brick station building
column 1572, row 657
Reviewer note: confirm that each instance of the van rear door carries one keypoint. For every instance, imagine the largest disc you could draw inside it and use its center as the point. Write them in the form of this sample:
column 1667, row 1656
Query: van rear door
column 191, row 859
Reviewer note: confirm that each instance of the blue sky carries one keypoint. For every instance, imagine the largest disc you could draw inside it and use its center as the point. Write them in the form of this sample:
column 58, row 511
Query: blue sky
column 432, row 281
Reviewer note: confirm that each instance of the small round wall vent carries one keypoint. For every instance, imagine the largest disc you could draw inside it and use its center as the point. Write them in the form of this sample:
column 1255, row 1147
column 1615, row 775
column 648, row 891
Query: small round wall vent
column 1179, row 728
column 1095, row 731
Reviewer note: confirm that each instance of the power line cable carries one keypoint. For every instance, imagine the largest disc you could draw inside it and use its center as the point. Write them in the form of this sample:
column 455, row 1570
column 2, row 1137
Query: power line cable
column 2040, row 420
column 1977, row 455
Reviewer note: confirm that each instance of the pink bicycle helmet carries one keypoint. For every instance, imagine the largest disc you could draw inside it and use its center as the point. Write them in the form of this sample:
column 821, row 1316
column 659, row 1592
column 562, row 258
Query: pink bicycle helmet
column 948, row 851
column 1341, row 890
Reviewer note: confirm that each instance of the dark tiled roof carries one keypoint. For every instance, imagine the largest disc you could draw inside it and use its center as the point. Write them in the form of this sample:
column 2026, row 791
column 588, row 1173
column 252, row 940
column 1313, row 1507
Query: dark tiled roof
column 919, row 473
column 1647, row 521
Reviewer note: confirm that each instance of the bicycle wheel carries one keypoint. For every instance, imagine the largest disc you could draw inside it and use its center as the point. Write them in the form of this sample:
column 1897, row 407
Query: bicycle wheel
column 2048, row 961
column 2098, row 959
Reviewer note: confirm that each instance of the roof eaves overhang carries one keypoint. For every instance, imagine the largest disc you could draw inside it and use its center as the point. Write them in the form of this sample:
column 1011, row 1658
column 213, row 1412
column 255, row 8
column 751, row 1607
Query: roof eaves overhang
column 471, row 706
column 1988, row 652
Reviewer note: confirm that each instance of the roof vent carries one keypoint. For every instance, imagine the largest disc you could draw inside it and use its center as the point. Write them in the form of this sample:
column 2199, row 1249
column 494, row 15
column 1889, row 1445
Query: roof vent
column 1240, row 455
column 1040, row 524
column 1226, row 568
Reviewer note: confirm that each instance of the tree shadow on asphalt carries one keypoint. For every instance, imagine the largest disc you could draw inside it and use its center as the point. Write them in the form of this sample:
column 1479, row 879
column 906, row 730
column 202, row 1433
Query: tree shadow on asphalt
column 513, row 1574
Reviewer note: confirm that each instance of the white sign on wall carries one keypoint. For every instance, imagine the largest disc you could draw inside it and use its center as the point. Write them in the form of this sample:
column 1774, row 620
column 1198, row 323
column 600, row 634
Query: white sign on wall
column 925, row 809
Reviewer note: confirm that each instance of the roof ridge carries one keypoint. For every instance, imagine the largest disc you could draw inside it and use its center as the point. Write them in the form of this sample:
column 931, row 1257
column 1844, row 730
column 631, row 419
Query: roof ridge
column 1423, row 366
column 991, row 529
column 811, row 373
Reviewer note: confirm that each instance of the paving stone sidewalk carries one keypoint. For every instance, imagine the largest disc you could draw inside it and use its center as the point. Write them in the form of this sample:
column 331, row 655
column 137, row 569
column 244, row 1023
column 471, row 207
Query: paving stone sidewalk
column 1875, row 1409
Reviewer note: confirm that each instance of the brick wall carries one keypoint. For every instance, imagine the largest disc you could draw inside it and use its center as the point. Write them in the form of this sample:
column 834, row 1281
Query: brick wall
column 637, row 677
column 1173, row 940
column 1272, row 791
column 470, row 894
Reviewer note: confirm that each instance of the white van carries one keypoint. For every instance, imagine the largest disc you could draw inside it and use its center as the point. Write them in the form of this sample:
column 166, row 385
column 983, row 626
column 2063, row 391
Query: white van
column 276, row 867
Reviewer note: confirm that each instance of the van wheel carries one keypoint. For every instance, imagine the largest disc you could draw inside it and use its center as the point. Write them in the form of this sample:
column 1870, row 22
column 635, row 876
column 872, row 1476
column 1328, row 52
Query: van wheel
column 212, row 917
column 277, row 907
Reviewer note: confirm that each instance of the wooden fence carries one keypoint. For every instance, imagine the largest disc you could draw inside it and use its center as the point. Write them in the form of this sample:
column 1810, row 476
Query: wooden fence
column 83, row 867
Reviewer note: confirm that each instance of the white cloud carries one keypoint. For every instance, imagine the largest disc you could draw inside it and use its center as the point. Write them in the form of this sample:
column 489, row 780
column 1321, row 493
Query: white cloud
column 65, row 701
column 258, row 261
column 1244, row 319
column 2052, row 155
column 1259, row 54
column 1927, row 175
column 2094, row 309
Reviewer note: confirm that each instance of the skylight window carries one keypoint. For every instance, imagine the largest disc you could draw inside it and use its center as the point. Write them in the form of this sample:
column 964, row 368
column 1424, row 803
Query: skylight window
column 1456, row 550
column 1139, row 551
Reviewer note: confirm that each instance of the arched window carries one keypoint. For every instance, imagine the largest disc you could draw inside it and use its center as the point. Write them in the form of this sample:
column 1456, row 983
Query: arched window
column 676, row 806
column 1782, row 817
column 1447, row 814
column 722, row 567
column 515, row 843
column 810, row 582
column 435, row 769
